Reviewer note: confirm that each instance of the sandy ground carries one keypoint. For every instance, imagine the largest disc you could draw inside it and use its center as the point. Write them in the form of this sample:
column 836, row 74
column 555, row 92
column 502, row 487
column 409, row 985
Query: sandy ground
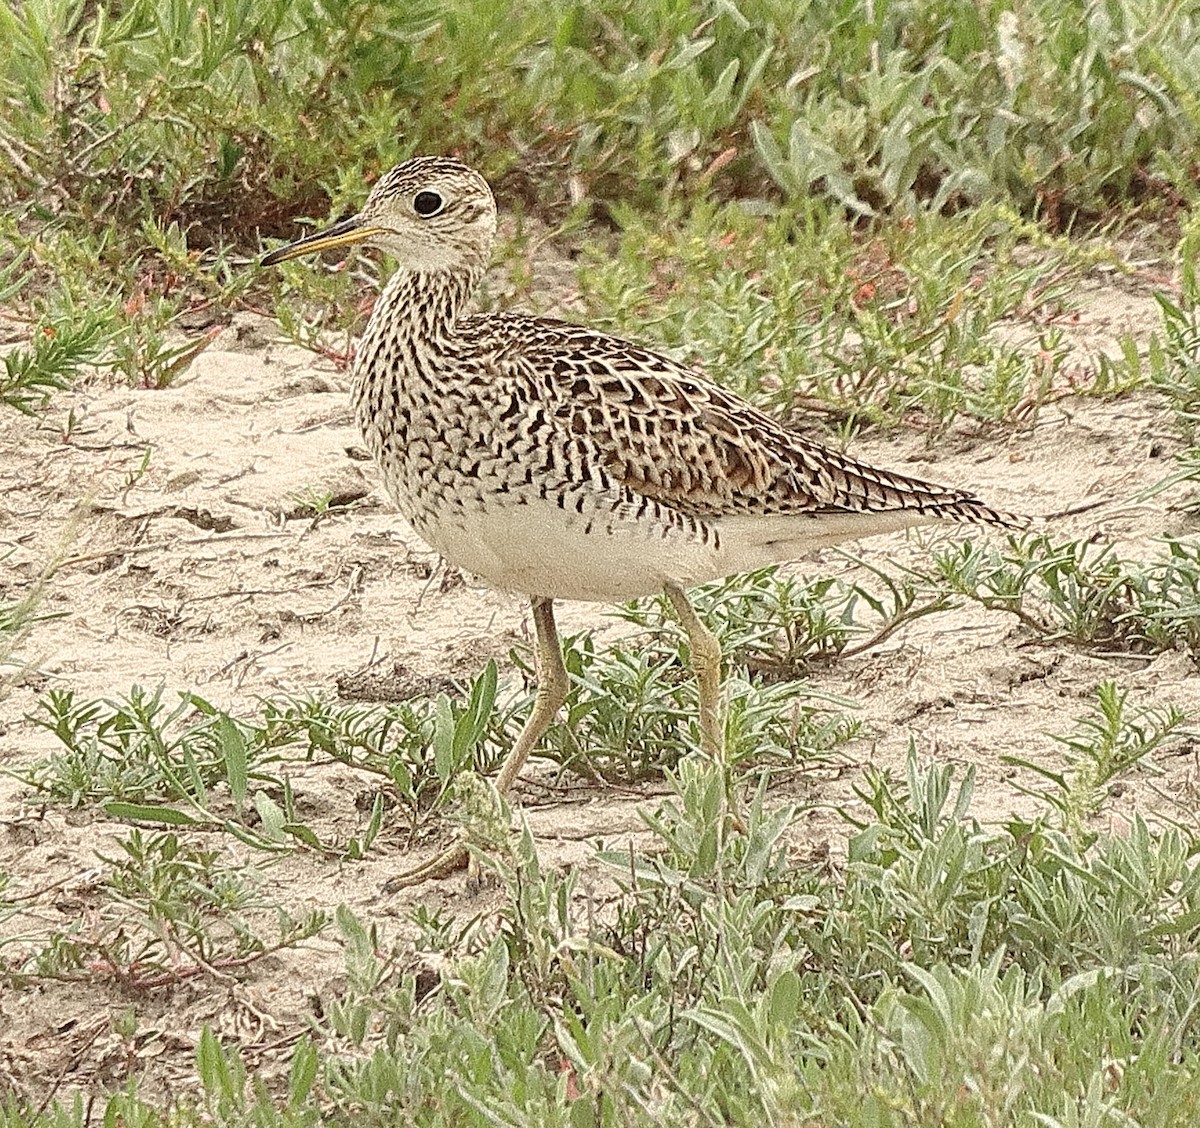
column 198, row 569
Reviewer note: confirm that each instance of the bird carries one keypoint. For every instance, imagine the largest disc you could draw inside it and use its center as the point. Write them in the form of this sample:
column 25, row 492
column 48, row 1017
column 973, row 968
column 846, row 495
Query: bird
column 560, row 462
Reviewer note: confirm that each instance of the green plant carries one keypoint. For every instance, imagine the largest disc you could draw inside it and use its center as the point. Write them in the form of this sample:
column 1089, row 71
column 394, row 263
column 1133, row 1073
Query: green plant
column 1107, row 744
column 51, row 362
column 1188, row 471
column 631, row 713
column 141, row 748
column 184, row 913
column 1081, row 592
column 1177, row 375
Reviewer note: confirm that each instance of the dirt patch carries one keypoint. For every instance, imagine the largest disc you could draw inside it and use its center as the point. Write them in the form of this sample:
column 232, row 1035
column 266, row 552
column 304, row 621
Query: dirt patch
column 224, row 535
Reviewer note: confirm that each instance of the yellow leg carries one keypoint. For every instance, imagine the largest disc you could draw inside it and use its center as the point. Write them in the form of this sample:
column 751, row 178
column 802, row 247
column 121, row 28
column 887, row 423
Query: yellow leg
column 706, row 662
column 551, row 693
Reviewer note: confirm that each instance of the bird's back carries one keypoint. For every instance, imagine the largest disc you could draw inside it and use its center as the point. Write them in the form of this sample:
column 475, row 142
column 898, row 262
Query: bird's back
column 668, row 433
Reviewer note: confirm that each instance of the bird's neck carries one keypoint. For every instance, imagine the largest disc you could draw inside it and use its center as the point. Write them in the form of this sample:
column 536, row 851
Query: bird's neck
column 406, row 345
column 417, row 311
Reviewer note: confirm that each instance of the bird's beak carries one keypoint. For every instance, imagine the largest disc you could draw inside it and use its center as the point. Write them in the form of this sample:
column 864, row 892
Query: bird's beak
column 343, row 234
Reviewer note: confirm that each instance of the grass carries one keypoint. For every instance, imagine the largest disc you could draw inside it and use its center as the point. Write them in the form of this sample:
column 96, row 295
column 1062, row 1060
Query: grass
column 631, row 716
column 1081, row 592
column 1188, row 472
column 946, row 972
column 49, row 363
column 1177, row 371
column 942, row 971
column 631, row 713
column 281, row 104
column 858, row 215
column 797, row 313
column 1104, row 745
column 819, row 242
column 173, row 911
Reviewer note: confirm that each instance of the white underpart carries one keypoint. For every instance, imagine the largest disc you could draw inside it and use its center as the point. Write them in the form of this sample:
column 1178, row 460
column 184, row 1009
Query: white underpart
column 544, row 551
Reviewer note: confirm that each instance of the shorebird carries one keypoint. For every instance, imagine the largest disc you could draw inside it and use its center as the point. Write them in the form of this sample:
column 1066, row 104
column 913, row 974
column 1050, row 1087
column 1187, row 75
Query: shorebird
column 560, row 462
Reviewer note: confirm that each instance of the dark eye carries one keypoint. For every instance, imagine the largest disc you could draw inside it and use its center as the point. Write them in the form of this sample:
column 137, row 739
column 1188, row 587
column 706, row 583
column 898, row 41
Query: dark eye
column 427, row 203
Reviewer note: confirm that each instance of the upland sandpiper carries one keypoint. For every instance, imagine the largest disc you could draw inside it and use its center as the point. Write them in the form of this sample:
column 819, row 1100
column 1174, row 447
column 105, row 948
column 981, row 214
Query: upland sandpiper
column 560, row 462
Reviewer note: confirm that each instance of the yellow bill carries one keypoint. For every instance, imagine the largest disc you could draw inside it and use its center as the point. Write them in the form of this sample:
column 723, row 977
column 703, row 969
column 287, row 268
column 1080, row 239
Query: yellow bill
column 343, row 234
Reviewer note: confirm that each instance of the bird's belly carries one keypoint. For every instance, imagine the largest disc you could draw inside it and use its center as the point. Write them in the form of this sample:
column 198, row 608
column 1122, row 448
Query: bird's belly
column 538, row 548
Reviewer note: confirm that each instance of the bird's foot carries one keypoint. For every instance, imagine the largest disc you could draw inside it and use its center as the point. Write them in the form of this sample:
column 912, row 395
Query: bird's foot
column 486, row 819
column 452, row 859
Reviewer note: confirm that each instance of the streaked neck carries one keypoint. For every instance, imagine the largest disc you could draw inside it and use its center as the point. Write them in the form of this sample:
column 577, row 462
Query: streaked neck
column 419, row 308
column 411, row 332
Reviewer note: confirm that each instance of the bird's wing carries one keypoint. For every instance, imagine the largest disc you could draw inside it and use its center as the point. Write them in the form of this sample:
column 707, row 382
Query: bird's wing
column 669, row 434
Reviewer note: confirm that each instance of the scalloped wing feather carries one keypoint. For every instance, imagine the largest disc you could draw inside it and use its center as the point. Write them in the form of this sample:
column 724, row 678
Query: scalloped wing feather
column 669, row 434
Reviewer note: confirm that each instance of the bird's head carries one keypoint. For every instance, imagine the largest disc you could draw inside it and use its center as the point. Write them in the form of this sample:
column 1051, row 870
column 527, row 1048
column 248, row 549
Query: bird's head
column 429, row 213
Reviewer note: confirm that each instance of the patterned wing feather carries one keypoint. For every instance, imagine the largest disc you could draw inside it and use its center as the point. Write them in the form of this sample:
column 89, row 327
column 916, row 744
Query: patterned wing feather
column 669, row 434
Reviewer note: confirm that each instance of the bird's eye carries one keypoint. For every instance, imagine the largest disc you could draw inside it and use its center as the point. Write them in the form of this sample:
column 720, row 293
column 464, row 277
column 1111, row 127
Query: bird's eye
column 427, row 203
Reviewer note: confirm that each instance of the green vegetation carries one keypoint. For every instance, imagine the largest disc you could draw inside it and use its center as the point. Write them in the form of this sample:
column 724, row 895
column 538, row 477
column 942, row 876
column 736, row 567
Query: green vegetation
column 945, row 972
column 1082, row 593
column 816, row 318
column 280, row 108
column 631, row 716
column 859, row 214
column 179, row 912
column 843, row 187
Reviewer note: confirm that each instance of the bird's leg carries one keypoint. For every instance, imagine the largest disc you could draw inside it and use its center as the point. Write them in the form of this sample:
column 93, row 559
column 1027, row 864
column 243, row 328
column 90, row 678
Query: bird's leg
column 706, row 662
column 551, row 693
